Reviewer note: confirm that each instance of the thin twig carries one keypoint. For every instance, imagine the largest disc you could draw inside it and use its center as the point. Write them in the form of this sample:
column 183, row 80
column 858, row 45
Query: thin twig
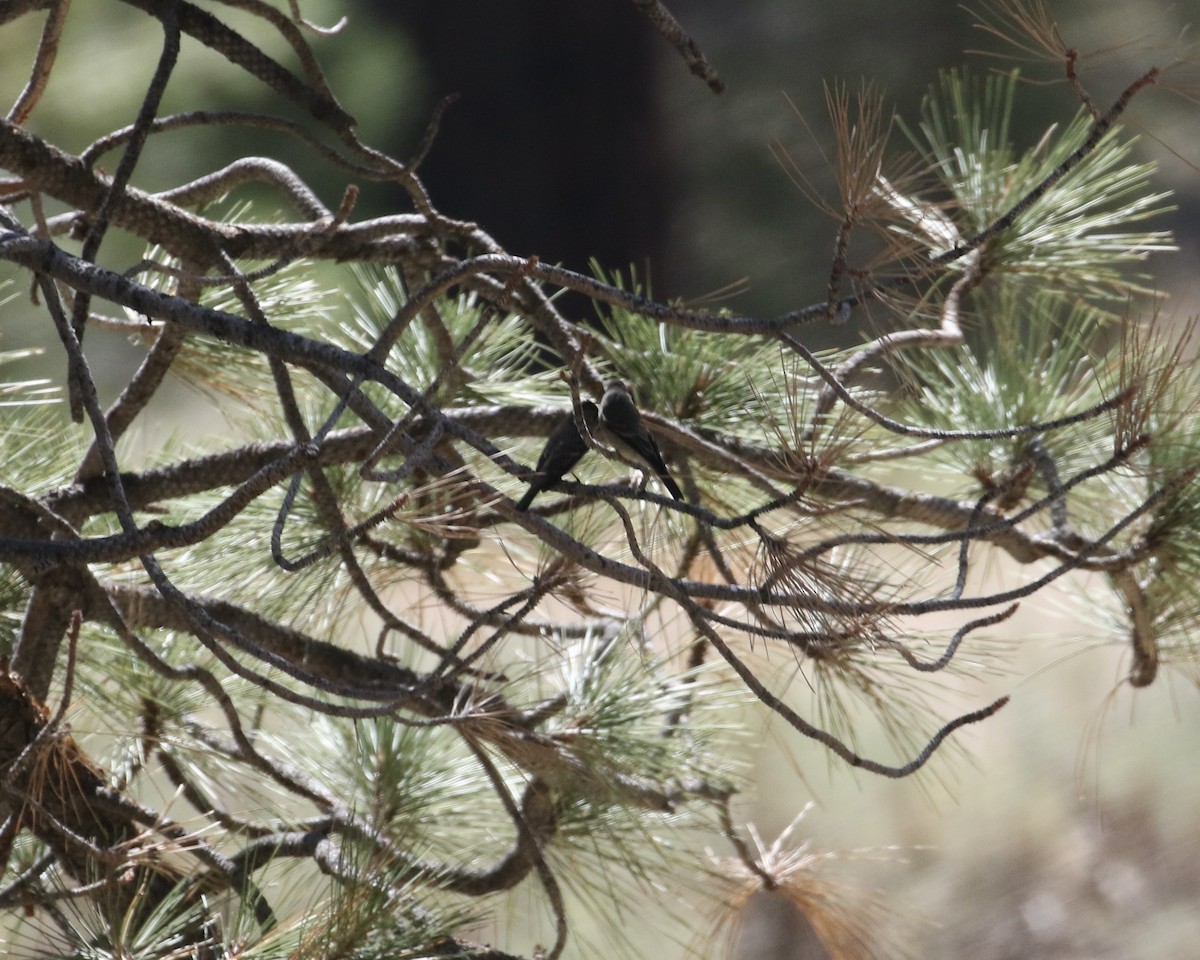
column 666, row 24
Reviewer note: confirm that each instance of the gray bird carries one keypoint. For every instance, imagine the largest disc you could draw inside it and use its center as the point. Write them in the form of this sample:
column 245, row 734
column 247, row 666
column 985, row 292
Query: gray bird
column 563, row 449
column 623, row 428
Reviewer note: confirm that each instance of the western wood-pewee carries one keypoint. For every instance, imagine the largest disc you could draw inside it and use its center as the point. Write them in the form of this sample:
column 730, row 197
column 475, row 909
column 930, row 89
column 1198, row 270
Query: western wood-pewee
column 563, row 449
column 621, row 424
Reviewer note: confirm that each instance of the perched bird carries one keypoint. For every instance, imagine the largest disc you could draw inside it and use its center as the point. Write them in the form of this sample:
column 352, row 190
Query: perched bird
column 562, row 451
column 621, row 424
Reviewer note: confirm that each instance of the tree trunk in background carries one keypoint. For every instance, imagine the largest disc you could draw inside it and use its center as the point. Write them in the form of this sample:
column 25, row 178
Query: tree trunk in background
column 553, row 148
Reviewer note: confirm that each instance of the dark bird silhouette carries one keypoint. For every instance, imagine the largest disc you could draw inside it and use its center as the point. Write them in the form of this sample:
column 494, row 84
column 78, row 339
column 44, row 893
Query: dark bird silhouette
column 622, row 426
column 562, row 451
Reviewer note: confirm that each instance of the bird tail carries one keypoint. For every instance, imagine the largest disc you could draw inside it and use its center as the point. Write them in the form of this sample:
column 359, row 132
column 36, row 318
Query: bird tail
column 671, row 485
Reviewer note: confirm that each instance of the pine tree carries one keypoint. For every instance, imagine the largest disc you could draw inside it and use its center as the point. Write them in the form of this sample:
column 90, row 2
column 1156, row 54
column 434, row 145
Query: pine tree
column 314, row 686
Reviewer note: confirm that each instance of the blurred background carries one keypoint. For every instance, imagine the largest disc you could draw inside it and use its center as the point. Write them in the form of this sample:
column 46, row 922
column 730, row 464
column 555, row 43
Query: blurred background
column 1067, row 826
